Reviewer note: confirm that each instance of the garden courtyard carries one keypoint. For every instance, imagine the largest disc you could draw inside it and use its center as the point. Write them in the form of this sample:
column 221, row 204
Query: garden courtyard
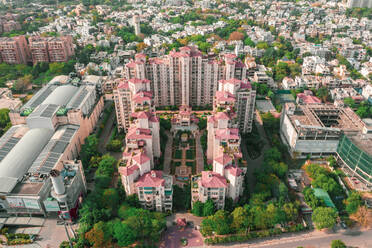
column 183, row 163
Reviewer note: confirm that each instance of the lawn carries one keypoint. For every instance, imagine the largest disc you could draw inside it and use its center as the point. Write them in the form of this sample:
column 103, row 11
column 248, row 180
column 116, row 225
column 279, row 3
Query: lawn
column 177, row 154
column 190, row 154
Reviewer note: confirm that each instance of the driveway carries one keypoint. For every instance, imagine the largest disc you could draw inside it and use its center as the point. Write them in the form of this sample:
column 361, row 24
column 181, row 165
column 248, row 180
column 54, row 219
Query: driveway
column 172, row 237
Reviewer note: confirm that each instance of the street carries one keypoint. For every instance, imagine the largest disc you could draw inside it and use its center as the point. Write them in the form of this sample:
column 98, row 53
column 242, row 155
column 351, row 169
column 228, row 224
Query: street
column 315, row 239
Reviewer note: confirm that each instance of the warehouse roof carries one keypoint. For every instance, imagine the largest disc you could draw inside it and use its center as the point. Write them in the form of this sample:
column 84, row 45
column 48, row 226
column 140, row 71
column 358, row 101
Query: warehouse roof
column 16, row 163
column 61, row 95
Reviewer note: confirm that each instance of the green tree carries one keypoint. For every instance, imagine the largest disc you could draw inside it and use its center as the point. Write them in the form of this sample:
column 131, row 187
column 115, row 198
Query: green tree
column 208, row 208
column 337, row 244
column 249, row 42
column 5, row 123
column 291, row 210
column 222, row 222
column 89, row 149
column 197, row 208
column 124, row 234
column 110, row 198
column 324, row 217
column 239, row 218
column 322, row 93
column 353, row 202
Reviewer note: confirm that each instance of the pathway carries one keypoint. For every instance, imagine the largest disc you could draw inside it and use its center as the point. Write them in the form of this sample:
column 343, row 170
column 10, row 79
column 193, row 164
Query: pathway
column 168, row 153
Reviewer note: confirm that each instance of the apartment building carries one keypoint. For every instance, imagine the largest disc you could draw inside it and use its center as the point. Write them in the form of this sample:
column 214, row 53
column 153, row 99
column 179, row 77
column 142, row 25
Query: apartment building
column 38, row 49
column 187, row 77
column 229, row 112
column 130, row 95
column 14, row 50
column 134, row 109
column 245, row 101
column 60, row 49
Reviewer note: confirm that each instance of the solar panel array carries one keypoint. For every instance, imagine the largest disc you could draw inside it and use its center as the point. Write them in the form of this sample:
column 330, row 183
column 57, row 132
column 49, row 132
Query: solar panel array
column 5, row 149
column 79, row 99
column 7, row 142
column 45, row 110
column 50, row 110
column 39, row 97
column 52, row 152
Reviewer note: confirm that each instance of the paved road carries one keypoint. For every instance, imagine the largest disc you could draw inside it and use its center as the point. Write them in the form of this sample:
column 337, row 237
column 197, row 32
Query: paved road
column 354, row 238
column 168, row 153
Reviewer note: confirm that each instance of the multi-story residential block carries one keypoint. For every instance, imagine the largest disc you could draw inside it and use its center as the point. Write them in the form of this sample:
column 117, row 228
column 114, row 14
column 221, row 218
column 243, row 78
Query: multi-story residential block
column 60, row 49
column 14, row 50
column 223, row 150
column 40, row 49
column 134, row 109
column 210, row 185
column 187, row 77
column 245, row 101
column 130, row 95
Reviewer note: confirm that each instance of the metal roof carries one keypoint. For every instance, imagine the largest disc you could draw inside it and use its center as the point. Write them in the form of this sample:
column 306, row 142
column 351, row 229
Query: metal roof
column 7, row 142
column 61, row 95
column 52, row 152
column 39, row 97
column 44, row 110
column 16, row 163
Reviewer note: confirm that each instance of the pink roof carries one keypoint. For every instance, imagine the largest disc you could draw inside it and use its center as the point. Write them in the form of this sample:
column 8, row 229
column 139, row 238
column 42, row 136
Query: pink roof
column 212, row 179
column 234, row 170
column 227, row 133
column 151, row 179
column 145, row 115
column 221, row 116
column 127, row 170
column 225, row 96
column 308, row 98
column 140, row 56
column 138, row 133
column 131, row 64
column 142, row 96
column 230, row 56
column 123, row 85
column 243, row 84
column 138, row 81
column 224, row 159
column 141, row 158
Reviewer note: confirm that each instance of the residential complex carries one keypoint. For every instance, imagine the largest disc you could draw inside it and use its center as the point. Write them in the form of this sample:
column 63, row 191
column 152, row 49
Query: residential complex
column 40, row 149
column 187, row 77
column 16, row 50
